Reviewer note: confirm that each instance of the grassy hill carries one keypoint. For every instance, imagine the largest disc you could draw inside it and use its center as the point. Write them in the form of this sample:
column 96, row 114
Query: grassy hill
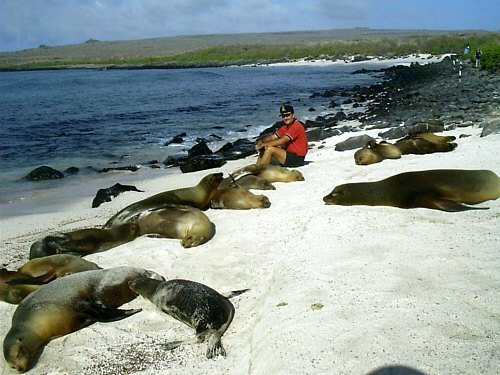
column 223, row 49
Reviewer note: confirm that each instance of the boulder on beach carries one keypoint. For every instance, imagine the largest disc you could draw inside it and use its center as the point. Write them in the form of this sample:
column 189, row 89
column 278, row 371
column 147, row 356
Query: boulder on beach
column 353, row 142
column 44, row 173
column 202, row 162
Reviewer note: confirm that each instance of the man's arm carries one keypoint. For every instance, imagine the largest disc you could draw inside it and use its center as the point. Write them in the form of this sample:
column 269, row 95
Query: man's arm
column 272, row 140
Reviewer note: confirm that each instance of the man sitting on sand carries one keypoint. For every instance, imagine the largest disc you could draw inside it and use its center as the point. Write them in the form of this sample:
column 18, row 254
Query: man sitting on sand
column 287, row 145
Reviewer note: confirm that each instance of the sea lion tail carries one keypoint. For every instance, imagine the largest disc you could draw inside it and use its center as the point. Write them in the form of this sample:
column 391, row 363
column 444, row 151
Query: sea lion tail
column 235, row 293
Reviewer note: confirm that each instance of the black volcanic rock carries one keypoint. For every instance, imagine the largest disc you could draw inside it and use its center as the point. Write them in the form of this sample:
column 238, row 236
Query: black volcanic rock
column 202, row 162
column 44, row 173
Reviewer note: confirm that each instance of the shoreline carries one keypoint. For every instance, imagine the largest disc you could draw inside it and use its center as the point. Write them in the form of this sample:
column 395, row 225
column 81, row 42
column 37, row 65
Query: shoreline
column 309, row 117
column 414, row 57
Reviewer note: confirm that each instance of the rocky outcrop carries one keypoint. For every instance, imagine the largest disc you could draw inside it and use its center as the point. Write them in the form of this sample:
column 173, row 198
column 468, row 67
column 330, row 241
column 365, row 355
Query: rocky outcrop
column 44, row 173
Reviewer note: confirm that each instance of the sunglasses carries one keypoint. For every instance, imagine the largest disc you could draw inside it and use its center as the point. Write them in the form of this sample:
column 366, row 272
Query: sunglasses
column 285, row 116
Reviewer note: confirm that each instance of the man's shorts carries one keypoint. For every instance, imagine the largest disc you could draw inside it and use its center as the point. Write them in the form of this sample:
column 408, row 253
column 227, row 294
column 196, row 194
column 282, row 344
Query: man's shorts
column 293, row 160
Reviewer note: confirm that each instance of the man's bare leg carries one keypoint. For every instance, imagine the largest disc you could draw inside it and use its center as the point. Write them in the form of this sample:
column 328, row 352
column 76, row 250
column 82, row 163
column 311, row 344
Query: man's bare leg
column 277, row 152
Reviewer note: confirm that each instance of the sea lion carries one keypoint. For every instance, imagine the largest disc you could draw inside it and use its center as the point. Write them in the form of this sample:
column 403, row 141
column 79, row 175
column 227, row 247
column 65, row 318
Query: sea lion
column 66, row 305
column 272, row 173
column 15, row 285
column 13, row 293
column 104, row 195
column 248, row 182
column 194, row 304
column 85, row 241
column 440, row 189
column 431, row 137
column 198, row 196
column 238, row 198
column 374, row 152
column 189, row 224
column 416, row 144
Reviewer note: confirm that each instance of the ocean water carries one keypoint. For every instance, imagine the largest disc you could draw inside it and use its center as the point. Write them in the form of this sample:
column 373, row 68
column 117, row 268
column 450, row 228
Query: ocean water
column 110, row 118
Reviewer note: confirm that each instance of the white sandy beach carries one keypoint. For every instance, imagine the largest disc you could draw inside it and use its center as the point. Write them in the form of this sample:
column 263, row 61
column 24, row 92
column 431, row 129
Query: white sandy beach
column 333, row 289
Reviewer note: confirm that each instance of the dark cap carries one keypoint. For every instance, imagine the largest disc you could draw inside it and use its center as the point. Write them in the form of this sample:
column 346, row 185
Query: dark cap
column 286, row 109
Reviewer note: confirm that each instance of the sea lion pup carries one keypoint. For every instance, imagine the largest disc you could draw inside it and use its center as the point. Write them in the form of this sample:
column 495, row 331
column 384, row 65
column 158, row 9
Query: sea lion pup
column 439, row 189
column 198, row 196
column 189, row 224
column 416, row 144
column 66, row 305
column 270, row 172
column 248, row 182
column 15, row 285
column 374, row 152
column 194, row 304
column 85, row 241
column 238, row 198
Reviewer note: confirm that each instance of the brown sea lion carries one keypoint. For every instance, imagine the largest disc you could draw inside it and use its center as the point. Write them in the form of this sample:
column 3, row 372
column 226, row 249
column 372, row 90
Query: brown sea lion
column 198, row 196
column 248, row 182
column 374, row 152
column 15, row 285
column 66, row 305
column 85, row 241
column 238, row 198
column 271, row 173
column 13, row 293
column 431, row 137
column 189, row 224
column 440, row 189
column 416, row 144
column 196, row 305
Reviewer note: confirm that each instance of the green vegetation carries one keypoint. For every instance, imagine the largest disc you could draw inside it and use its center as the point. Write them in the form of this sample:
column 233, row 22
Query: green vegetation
column 266, row 51
column 490, row 59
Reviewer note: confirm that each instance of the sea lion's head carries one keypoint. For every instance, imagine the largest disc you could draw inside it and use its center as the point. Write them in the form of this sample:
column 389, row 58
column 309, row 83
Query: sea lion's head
column 342, row 194
column 297, row 175
column 20, row 348
column 212, row 180
column 46, row 246
column 367, row 155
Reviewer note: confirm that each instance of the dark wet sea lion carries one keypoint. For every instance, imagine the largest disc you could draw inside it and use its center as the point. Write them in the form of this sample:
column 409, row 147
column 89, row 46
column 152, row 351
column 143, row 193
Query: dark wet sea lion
column 105, row 195
column 85, row 241
column 66, row 305
column 374, row 152
column 15, row 285
column 198, row 196
column 271, row 173
column 238, row 198
column 440, row 189
column 200, row 307
column 189, row 224
column 248, row 182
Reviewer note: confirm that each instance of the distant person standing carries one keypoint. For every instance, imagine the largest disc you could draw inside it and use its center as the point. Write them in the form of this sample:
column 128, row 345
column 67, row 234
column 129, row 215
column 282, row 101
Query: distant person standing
column 478, row 58
column 287, row 145
column 466, row 50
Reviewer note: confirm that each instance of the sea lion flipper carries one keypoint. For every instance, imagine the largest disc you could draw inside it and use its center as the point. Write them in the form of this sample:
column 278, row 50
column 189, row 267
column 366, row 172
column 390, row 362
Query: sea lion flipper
column 172, row 345
column 451, row 206
column 27, row 280
column 105, row 314
column 235, row 293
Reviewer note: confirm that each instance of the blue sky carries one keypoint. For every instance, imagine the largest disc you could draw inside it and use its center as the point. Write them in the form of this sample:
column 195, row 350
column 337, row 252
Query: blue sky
column 30, row 23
